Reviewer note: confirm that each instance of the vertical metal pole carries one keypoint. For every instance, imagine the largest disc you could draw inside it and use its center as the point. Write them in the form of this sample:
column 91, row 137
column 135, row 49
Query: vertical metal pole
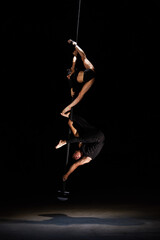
column 71, row 114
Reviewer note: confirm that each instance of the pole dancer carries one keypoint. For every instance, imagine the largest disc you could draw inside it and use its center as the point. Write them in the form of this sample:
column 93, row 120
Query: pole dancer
column 90, row 142
column 86, row 77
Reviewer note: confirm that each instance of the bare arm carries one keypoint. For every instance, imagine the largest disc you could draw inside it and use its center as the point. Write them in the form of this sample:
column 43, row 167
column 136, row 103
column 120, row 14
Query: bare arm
column 72, row 70
column 73, row 65
column 80, row 162
column 84, row 89
column 73, row 129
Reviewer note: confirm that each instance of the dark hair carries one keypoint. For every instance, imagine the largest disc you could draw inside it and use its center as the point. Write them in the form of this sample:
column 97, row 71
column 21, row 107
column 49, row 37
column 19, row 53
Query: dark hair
column 74, row 75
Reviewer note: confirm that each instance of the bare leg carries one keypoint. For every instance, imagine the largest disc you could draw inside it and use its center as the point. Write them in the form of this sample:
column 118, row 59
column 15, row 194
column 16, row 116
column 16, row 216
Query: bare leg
column 86, row 62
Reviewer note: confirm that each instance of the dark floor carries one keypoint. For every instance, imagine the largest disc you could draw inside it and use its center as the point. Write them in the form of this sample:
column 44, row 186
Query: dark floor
column 86, row 217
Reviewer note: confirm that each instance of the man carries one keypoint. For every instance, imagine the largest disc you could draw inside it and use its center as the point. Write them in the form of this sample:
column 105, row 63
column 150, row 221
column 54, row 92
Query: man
column 90, row 139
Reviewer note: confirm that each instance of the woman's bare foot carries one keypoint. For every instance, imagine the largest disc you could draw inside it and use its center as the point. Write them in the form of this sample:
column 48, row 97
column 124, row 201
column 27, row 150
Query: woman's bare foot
column 70, row 41
column 60, row 144
column 65, row 114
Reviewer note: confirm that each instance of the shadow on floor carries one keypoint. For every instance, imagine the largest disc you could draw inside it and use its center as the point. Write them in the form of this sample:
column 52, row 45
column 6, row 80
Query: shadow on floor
column 62, row 220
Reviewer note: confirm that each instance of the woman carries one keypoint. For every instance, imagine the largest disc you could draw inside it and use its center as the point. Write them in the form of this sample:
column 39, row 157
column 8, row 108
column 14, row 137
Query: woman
column 86, row 77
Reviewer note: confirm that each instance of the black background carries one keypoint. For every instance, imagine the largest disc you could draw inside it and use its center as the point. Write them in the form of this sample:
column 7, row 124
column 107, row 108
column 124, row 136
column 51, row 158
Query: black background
column 121, row 39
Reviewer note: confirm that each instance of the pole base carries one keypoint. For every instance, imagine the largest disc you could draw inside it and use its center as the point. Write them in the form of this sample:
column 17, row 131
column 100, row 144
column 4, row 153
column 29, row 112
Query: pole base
column 62, row 195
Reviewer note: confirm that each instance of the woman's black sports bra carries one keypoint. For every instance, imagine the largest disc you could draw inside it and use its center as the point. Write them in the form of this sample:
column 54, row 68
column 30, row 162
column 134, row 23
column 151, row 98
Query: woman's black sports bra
column 88, row 75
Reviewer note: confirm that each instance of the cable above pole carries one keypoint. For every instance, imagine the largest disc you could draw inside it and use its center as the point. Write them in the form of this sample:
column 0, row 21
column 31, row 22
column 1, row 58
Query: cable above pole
column 79, row 11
